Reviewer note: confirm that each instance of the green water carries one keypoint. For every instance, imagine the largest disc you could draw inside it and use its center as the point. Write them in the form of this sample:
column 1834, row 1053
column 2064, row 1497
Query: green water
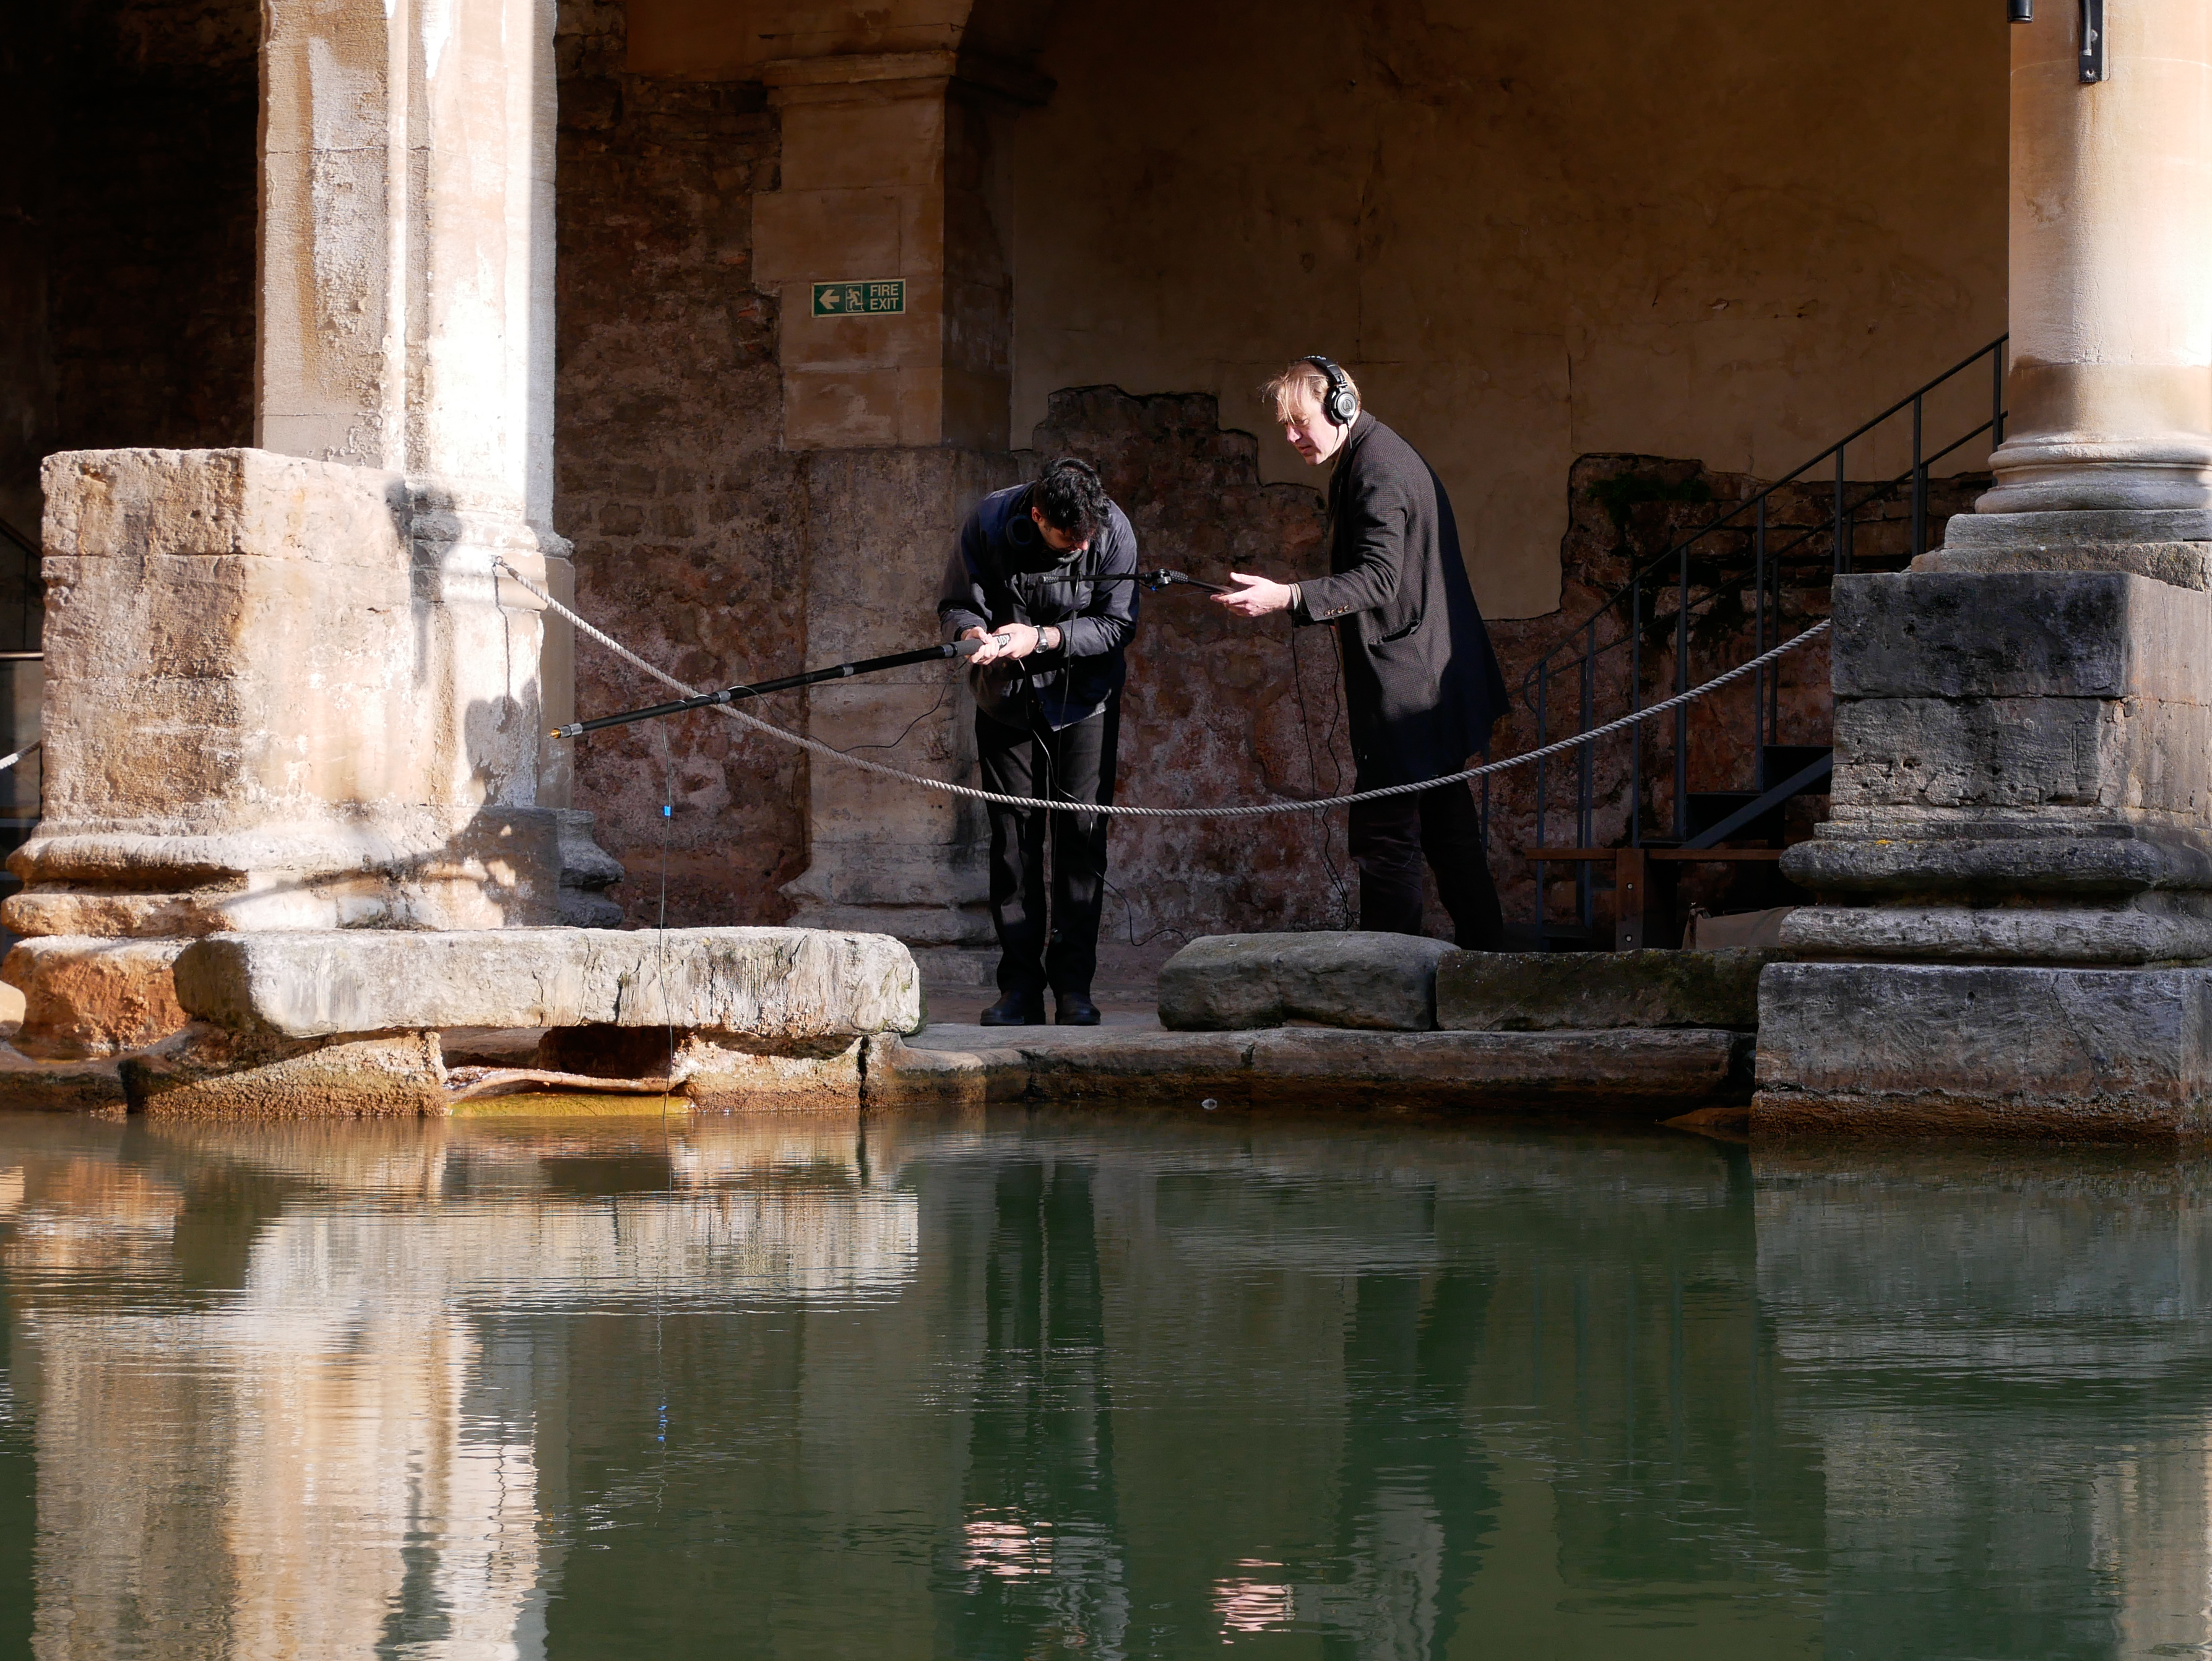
column 1066, row 1385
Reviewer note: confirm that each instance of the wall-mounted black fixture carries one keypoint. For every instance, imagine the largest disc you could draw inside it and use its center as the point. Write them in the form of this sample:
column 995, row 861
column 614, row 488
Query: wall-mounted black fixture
column 2092, row 41
column 2022, row 11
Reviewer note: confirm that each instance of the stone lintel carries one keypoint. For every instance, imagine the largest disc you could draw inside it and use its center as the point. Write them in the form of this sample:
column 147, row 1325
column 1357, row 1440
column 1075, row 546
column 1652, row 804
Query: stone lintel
column 2007, row 1050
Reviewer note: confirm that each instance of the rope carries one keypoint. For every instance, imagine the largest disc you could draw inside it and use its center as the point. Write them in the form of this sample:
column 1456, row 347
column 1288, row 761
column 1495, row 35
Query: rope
column 1255, row 811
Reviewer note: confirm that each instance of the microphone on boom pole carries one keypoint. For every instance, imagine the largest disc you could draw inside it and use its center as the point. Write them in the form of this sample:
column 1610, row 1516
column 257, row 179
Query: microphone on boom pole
column 1153, row 579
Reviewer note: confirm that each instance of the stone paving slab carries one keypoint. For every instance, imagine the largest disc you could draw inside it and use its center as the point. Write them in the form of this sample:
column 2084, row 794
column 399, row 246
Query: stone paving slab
column 1618, row 1069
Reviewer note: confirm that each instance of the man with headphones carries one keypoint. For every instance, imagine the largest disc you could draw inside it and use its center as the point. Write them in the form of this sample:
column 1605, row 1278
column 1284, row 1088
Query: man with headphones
column 1422, row 685
column 1037, row 564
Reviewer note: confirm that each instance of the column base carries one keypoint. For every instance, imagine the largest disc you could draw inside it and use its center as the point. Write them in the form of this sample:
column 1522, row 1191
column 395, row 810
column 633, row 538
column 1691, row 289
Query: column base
column 1884, row 1049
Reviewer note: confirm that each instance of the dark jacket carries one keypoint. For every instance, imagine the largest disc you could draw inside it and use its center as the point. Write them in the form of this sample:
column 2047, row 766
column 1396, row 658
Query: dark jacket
column 1421, row 685
column 1004, row 572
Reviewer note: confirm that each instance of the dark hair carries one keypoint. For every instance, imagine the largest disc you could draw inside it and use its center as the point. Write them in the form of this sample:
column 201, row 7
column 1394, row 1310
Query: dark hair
column 1070, row 496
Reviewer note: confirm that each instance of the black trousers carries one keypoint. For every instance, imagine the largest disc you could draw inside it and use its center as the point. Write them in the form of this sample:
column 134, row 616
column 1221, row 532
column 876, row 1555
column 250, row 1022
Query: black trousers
column 1057, row 947
column 1388, row 838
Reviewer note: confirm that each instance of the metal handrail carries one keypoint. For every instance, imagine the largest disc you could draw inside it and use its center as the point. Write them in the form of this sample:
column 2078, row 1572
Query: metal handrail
column 21, row 540
column 1913, row 401
column 1725, row 575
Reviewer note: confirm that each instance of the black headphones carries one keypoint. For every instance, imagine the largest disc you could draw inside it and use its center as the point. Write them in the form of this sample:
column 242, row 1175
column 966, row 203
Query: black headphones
column 1341, row 404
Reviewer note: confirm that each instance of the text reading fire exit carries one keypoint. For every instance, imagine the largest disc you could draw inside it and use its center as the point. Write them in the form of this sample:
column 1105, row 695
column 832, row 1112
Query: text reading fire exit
column 837, row 300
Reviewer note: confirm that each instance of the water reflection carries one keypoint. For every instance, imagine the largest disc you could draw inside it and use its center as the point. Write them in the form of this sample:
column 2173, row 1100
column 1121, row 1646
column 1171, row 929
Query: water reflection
column 1087, row 1386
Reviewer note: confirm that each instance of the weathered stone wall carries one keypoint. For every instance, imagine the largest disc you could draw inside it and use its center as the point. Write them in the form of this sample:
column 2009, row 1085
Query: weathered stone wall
column 687, row 515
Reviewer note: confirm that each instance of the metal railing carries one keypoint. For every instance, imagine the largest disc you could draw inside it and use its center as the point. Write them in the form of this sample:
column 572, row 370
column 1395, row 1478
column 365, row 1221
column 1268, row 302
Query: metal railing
column 1732, row 554
column 23, row 593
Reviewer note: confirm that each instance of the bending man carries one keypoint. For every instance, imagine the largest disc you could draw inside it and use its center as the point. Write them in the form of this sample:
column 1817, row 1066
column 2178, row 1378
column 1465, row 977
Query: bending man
column 1048, row 719
column 1422, row 686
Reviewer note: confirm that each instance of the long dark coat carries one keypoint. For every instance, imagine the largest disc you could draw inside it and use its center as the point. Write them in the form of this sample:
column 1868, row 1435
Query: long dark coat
column 1421, row 683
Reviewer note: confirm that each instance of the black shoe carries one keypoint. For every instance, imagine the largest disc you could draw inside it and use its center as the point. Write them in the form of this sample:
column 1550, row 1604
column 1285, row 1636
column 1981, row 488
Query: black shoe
column 1014, row 1010
column 1076, row 1009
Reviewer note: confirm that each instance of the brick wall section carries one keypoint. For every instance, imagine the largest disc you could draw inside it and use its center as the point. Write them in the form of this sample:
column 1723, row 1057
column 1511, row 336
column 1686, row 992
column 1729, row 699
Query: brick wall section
column 688, row 518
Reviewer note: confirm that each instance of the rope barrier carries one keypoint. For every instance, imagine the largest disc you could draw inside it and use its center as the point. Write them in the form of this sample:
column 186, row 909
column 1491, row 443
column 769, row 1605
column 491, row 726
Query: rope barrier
column 1251, row 811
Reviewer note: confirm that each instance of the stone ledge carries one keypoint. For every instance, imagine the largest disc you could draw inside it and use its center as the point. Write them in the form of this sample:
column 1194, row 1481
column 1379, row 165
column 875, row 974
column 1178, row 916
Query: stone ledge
column 1615, row 1071
column 1558, row 991
column 775, row 983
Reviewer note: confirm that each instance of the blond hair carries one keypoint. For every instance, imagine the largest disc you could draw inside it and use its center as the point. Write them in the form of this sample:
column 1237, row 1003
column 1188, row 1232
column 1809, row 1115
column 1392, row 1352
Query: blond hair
column 1302, row 380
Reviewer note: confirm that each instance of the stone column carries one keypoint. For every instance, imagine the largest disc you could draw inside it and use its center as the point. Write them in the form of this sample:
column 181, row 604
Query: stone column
column 887, row 177
column 285, row 688
column 2110, row 391
column 2015, row 890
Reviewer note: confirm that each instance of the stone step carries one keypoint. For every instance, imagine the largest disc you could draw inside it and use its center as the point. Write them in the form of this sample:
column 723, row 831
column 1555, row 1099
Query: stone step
column 1651, row 1074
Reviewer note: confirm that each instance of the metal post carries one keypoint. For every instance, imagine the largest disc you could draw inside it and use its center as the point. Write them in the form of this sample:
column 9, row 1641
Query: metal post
column 1635, row 704
column 1586, row 879
column 1919, row 488
column 1543, row 737
column 1841, row 529
column 1681, row 686
column 1997, row 394
column 1759, row 739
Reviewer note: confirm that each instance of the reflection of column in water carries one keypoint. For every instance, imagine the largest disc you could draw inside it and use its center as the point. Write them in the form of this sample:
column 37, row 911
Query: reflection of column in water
column 327, row 1460
column 2152, row 1543
column 1996, row 1355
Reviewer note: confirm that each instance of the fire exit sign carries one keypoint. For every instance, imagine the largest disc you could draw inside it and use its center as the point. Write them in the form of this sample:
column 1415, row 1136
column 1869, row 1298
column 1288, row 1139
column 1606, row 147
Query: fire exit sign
column 837, row 300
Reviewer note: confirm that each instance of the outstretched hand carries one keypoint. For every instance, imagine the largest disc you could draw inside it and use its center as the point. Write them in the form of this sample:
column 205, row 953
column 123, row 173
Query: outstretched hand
column 1257, row 598
column 1020, row 640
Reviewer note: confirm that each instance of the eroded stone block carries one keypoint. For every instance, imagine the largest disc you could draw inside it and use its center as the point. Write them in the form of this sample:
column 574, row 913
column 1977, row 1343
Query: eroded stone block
column 213, row 1074
column 88, row 997
column 1546, row 991
column 1888, row 1049
column 1238, row 982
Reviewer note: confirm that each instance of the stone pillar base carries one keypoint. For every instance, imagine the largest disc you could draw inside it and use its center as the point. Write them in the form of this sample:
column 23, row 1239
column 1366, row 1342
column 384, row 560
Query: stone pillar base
column 2106, row 1055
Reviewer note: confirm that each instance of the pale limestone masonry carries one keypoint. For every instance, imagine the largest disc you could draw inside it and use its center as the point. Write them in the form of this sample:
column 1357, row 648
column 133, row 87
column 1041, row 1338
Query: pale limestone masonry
column 347, row 1022
column 771, row 984
column 275, row 700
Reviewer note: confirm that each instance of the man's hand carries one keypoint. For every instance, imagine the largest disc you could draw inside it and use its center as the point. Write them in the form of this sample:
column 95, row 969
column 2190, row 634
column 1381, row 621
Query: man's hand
column 1020, row 640
column 1257, row 598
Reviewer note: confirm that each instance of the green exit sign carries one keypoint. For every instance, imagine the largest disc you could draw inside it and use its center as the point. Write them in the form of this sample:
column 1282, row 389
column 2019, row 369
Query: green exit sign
column 838, row 300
